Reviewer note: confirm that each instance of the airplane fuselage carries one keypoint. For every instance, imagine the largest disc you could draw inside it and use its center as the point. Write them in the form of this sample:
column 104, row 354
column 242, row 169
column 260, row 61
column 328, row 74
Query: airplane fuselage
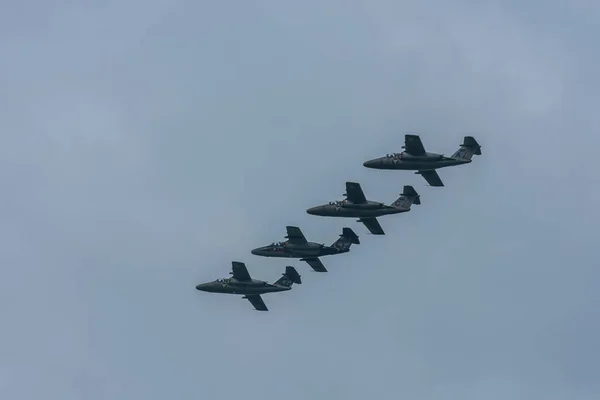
column 350, row 210
column 294, row 250
column 232, row 286
column 404, row 161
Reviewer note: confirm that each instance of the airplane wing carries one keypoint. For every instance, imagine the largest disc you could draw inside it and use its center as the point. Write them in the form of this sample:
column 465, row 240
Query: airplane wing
column 354, row 193
column 432, row 177
column 315, row 264
column 295, row 235
column 239, row 271
column 413, row 145
column 257, row 302
column 372, row 225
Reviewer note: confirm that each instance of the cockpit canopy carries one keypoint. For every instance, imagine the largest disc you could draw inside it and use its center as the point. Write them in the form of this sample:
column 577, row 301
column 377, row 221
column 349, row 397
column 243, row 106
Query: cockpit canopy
column 394, row 155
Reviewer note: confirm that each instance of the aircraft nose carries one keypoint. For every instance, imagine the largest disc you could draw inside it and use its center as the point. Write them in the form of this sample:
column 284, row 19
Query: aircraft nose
column 254, row 251
column 372, row 163
column 201, row 286
column 313, row 210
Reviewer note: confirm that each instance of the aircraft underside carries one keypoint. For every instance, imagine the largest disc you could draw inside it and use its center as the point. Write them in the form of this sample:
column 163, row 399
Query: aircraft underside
column 294, row 254
column 357, row 213
column 254, row 291
column 414, row 166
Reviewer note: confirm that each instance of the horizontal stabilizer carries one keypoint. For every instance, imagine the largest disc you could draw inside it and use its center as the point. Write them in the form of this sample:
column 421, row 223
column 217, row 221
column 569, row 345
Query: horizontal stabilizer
column 289, row 277
column 410, row 191
column 467, row 149
column 291, row 273
column 346, row 240
column 349, row 234
column 408, row 197
column 470, row 142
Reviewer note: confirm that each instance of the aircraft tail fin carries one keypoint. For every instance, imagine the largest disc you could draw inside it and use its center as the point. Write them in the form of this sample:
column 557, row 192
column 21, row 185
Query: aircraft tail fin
column 468, row 148
column 346, row 239
column 408, row 197
column 289, row 277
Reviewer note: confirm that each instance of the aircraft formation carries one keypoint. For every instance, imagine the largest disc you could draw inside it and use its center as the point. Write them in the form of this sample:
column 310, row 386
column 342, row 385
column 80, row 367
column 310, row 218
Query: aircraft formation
column 414, row 157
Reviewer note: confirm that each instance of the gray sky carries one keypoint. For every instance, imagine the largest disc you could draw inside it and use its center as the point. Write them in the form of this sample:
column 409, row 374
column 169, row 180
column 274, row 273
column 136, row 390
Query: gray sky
column 147, row 144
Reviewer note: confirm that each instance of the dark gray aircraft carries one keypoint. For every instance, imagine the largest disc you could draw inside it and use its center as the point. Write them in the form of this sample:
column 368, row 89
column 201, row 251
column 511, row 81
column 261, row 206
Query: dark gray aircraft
column 242, row 283
column 298, row 247
column 356, row 205
column 414, row 157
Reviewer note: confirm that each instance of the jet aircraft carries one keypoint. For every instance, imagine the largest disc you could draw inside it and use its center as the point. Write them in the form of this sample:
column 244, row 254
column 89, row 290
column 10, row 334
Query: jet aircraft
column 242, row 283
column 298, row 247
column 356, row 205
column 414, row 157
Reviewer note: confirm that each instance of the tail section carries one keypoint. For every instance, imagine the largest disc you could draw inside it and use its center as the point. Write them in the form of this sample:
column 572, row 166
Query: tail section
column 468, row 148
column 290, row 276
column 347, row 239
column 408, row 197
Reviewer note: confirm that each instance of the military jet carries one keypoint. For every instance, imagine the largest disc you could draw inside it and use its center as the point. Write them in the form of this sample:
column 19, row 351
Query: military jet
column 356, row 205
column 414, row 157
column 298, row 247
column 242, row 283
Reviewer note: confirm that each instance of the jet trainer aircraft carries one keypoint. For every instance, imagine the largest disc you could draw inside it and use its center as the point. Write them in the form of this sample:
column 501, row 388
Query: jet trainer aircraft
column 242, row 283
column 414, row 157
column 298, row 247
column 356, row 205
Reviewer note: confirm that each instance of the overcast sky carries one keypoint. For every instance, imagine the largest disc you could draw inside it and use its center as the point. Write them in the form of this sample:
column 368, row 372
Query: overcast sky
column 147, row 144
